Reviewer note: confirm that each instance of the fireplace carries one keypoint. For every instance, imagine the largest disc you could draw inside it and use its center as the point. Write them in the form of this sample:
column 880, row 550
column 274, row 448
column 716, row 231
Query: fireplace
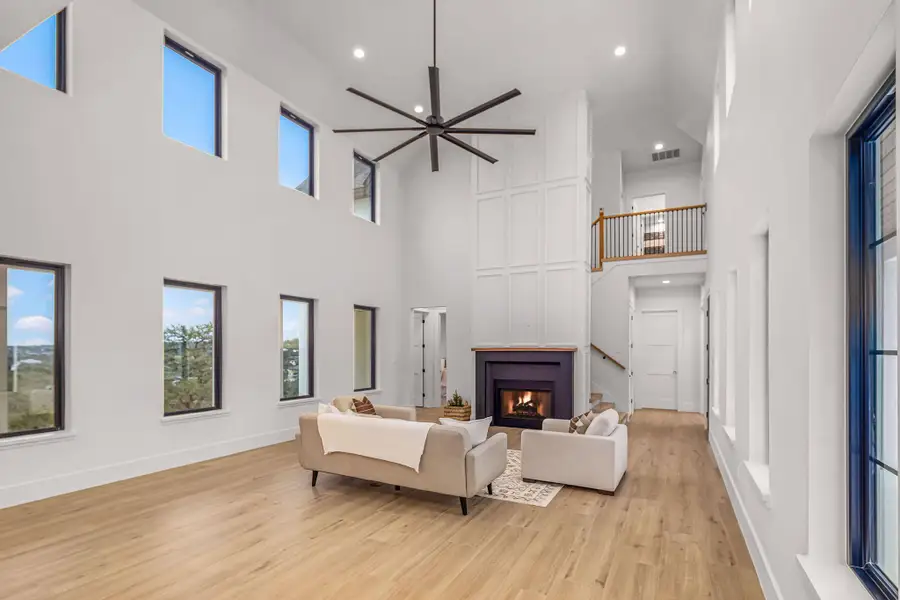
column 521, row 388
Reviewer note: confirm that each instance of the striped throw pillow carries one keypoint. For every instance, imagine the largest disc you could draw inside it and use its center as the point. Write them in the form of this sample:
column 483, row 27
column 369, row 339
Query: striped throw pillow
column 579, row 423
column 364, row 406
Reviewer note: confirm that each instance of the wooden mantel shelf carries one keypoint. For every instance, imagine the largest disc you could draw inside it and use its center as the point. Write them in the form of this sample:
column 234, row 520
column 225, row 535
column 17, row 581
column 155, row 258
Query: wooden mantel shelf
column 520, row 349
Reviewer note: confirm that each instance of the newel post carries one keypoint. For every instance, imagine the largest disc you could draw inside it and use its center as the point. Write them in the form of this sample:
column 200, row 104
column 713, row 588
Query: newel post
column 601, row 245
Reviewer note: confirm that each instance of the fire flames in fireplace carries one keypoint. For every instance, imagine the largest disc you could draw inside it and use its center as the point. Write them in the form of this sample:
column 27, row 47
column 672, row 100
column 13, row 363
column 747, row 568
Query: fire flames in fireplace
column 525, row 404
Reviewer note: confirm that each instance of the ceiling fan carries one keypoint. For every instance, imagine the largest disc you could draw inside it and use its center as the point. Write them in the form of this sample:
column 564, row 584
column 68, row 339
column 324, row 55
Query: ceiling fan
column 435, row 126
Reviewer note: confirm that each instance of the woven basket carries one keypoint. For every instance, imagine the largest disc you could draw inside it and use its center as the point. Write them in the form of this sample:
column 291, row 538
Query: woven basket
column 460, row 413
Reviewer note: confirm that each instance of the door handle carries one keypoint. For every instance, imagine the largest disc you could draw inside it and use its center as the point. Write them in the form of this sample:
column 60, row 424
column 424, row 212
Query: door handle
column 674, row 372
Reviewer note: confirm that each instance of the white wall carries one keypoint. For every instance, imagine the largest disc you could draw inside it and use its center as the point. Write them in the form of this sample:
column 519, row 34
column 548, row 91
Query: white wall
column 89, row 180
column 610, row 313
column 679, row 182
column 686, row 300
column 781, row 165
column 606, row 183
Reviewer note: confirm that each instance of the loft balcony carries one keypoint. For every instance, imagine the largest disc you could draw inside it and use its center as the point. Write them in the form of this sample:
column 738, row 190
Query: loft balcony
column 663, row 233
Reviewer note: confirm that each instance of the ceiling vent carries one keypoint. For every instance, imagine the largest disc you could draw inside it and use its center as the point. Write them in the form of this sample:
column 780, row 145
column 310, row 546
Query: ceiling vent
column 667, row 155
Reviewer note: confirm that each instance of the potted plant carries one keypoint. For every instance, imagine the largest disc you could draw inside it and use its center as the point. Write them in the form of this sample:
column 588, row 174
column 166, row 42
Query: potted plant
column 457, row 408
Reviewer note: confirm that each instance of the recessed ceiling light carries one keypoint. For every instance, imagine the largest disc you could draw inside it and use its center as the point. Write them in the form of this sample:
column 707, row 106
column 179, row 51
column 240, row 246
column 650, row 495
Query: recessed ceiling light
column 620, row 50
column 659, row 146
column 419, row 109
column 667, row 281
column 359, row 53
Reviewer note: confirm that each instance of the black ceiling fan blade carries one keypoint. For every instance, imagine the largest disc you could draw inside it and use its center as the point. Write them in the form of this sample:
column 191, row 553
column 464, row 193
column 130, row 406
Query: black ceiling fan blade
column 434, row 81
column 401, row 146
column 483, row 107
column 486, row 131
column 386, row 105
column 472, row 149
column 435, row 163
column 378, row 129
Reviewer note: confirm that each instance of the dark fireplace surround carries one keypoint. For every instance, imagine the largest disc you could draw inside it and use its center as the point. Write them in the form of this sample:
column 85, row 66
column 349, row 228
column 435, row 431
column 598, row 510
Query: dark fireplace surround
column 520, row 388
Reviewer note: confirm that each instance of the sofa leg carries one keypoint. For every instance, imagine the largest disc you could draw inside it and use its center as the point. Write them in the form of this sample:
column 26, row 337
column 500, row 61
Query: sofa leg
column 605, row 493
column 490, row 489
column 464, row 505
column 396, row 488
column 315, row 476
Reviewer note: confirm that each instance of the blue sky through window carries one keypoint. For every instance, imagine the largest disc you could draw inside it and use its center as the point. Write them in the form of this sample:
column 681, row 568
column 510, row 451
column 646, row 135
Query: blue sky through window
column 189, row 307
column 30, row 299
column 34, row 54
column 189, row 102
column 293, row 155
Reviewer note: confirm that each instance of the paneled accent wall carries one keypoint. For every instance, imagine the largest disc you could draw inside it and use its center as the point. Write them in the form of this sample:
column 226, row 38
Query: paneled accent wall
column 532, row 214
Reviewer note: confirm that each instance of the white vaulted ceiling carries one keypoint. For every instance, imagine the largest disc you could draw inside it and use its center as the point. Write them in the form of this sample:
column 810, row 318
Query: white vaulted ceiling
column 661, row 89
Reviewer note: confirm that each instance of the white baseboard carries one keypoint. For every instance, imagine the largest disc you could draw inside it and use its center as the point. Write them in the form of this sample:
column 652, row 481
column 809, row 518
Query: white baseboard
column 767, row 580
column 72, row 482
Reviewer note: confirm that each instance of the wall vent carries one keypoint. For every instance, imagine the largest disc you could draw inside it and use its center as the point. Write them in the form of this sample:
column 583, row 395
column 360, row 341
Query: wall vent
column 667, row 155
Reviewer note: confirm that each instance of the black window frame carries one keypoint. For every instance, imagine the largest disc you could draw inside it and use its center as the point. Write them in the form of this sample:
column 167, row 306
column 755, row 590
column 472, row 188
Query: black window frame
column 198, row 60
column 291, row 116
column 61, row 50
column 861, row 322
column 311, row 342
column 373, row 203
column 217, row 344
column 373, row 346
column 59, row 343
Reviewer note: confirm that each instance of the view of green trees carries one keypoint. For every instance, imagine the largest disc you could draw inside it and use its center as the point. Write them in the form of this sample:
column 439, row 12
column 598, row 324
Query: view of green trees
column 189, row 357
column 290, row 369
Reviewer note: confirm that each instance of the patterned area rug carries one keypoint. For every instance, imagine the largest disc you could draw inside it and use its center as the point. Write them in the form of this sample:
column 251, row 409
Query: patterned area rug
column 509, row 487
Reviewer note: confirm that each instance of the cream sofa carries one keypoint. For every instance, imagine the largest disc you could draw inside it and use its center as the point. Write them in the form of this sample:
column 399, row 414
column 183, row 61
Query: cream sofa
column 591, row 461
column 449, row 465
column 407, row 413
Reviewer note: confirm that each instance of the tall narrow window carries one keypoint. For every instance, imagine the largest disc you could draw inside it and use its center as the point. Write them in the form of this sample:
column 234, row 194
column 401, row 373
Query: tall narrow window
column 297, row 348
column 31, row 333
column 296, row 153
column 759, row 350
column 192, row 347
column 364, row 187
column 363, row 348
column 872, row 286
column 731, row 349
column 40, row 54
column 192, row 99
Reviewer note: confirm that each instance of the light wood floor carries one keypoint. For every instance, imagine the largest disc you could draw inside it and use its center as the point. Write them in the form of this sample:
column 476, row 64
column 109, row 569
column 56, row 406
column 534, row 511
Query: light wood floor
column 250, row 526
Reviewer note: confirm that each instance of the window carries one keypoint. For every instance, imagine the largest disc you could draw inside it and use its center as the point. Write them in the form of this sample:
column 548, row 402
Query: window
column 296, row 153
column 759, row 351
column 363, row 348
column 192, row 99
column 31, row 332
column 40, row 54
column 192, row 347
column 731, row 349
column 872, row 286
column 363, row 187
column 297, row 348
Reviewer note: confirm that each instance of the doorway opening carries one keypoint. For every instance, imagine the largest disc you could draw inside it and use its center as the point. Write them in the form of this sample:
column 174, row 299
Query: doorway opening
column 429, row 356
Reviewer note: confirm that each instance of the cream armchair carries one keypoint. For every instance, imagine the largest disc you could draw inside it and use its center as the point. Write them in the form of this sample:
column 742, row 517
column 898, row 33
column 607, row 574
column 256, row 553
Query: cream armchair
column 407, row 413
column 591, row 461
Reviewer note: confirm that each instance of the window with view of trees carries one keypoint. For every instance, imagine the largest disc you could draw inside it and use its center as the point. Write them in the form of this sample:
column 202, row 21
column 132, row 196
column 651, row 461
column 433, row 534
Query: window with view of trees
column 363, row 348
column 192, row 100
column 192, row 347
column 40, row 54
column 364, row 187
column 296, row 153
column 31, row 331
column 297, row 348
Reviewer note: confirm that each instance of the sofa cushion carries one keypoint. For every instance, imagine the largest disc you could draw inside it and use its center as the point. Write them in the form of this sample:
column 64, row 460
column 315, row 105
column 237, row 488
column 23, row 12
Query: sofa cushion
column 580, row 423
column 345, row 403
column 477, row 429
column 363, row 407
column 604, row 424
column 327, row 408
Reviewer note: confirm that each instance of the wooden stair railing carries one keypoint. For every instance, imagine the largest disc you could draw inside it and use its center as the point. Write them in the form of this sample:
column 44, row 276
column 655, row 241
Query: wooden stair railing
column 664, row 233
column 608, row 357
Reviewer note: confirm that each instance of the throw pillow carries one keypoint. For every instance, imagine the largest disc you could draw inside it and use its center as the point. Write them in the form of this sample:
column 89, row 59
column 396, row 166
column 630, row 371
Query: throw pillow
column 327, row 409
column 580, row 423
column 478, row 430
column 363, row 407
column 604, row 423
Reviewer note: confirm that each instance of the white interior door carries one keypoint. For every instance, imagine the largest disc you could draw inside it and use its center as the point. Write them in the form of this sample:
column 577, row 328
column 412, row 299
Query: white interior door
column 656, row 360
column 418, row 367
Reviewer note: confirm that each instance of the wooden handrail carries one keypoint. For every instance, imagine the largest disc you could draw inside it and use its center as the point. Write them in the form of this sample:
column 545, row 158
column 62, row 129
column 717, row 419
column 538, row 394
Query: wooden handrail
column 605, row 356
column 660, row 210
